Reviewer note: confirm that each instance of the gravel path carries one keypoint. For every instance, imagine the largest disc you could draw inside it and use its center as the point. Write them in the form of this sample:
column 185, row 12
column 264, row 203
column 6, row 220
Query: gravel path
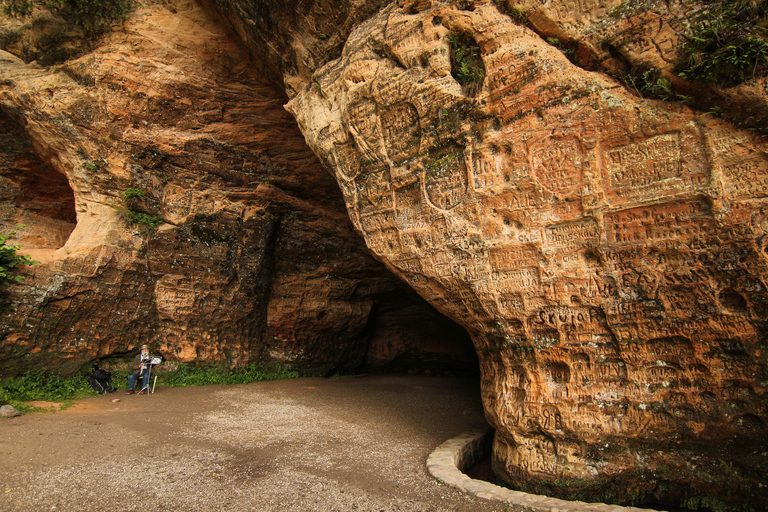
column 351, row 444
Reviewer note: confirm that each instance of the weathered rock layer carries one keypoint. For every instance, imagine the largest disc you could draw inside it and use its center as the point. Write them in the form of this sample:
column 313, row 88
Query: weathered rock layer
column 607, row 253
column 256, row 260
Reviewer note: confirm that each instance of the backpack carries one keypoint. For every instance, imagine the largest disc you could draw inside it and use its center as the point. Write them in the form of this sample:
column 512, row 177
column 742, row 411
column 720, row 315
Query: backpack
column 99, row 380
column 101, row 374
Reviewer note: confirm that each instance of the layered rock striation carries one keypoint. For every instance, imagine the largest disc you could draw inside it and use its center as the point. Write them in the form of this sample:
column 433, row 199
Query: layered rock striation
column 606, row 252
column 169, row 119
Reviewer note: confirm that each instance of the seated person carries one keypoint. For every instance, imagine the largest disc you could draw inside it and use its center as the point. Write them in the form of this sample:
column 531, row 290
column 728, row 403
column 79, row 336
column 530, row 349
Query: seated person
column 140, row 369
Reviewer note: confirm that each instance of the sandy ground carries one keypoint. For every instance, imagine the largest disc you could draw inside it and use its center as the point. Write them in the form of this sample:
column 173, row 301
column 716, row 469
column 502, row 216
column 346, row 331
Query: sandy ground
column 350, row 444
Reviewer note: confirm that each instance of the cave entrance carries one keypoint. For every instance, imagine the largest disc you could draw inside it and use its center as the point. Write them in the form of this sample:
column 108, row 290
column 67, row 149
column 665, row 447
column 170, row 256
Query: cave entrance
column 410, row 336
column 35, row 199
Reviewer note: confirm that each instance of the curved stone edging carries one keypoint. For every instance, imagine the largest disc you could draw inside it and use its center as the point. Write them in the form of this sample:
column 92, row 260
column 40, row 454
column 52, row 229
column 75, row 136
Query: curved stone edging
column 463, row 451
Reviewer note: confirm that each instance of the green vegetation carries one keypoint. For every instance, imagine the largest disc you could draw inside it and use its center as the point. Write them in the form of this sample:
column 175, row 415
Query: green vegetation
column 727, row 42
column 466, row 63
column 131, row 193
column 10, row 260
column 648, row 83
column 147, row 221
column 515, row 13
column 201, row 376
column 93, row 15
column 39, row 385
column 568, row 52
column 710, row 503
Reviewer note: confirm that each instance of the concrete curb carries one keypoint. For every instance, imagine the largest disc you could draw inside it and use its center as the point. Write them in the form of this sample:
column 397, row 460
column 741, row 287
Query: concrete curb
column 450, row 458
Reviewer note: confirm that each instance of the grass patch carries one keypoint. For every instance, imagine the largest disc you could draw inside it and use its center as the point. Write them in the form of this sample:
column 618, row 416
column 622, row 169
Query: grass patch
column 38, row 385
column 187, row 375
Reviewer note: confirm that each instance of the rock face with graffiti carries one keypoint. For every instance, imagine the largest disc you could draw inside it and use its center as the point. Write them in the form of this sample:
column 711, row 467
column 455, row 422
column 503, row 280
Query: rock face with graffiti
column 607, row 253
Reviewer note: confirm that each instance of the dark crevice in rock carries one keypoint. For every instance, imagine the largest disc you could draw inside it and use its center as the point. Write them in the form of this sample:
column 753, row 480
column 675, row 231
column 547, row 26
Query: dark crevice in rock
column 37, row 198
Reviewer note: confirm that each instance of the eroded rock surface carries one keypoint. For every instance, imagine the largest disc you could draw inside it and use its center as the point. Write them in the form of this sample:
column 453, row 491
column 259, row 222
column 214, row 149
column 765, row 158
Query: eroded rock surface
column 606, row 253
column 256, row 260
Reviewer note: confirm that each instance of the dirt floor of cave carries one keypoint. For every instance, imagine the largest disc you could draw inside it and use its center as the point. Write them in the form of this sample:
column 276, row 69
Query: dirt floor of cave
column 357, row 443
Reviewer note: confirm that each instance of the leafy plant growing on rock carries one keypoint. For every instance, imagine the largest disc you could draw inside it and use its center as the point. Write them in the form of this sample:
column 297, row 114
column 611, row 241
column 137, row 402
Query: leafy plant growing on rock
column 10, row 260
column 132, row 193
column 466, row 63
column 515, row 13
column 727, row 42
column 93, row 15
column 568, row 52
column 131, row 197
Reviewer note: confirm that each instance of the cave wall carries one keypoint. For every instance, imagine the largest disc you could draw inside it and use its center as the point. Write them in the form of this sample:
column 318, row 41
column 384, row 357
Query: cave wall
column 255, row 261
column 605, row 251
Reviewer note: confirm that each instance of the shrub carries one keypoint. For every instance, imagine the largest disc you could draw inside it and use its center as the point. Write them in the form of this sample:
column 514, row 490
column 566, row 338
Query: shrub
column 37, row 384
column 200, row 376
column 466, row 63
column 131, row 193
column 147, row 220
column 727, row 42
column 93, row 15
column 10, row 260
column 135, row 217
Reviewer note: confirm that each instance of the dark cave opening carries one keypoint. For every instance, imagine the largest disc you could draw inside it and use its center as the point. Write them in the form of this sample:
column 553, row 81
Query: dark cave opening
column 409, row 335
column 36, row 201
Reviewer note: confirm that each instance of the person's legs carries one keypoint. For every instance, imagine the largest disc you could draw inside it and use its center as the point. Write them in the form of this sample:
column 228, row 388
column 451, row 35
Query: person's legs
column 132, row 381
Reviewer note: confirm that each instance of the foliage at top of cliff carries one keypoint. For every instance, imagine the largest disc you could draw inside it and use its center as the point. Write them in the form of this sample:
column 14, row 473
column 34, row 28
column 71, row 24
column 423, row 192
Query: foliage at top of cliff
column 727, row 42
column 93, row 15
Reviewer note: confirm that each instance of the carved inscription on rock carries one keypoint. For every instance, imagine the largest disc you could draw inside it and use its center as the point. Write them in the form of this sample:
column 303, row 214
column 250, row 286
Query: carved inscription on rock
column 445, row 178
column 515, row 269
column 346, row 158
column 402, row 132
column 598, row 247
column 365, row 127
column 491, row 170
column 744, row 169
column 634, row 167
column 573, row 235
column 374, row 192
column 174, row 297
column 669, row 222
column 557, row 164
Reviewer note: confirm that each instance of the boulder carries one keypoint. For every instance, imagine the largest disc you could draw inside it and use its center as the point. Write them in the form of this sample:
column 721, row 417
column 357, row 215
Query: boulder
column 8, row 411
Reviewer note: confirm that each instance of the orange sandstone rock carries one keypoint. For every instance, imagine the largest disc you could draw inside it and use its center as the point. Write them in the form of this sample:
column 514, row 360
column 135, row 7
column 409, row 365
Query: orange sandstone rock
column 607, row 253
column 255, row 260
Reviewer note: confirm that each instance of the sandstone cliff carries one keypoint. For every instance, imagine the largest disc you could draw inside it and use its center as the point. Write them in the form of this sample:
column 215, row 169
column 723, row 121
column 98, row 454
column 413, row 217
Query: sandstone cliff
column 256, row 260
column 606, row 252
